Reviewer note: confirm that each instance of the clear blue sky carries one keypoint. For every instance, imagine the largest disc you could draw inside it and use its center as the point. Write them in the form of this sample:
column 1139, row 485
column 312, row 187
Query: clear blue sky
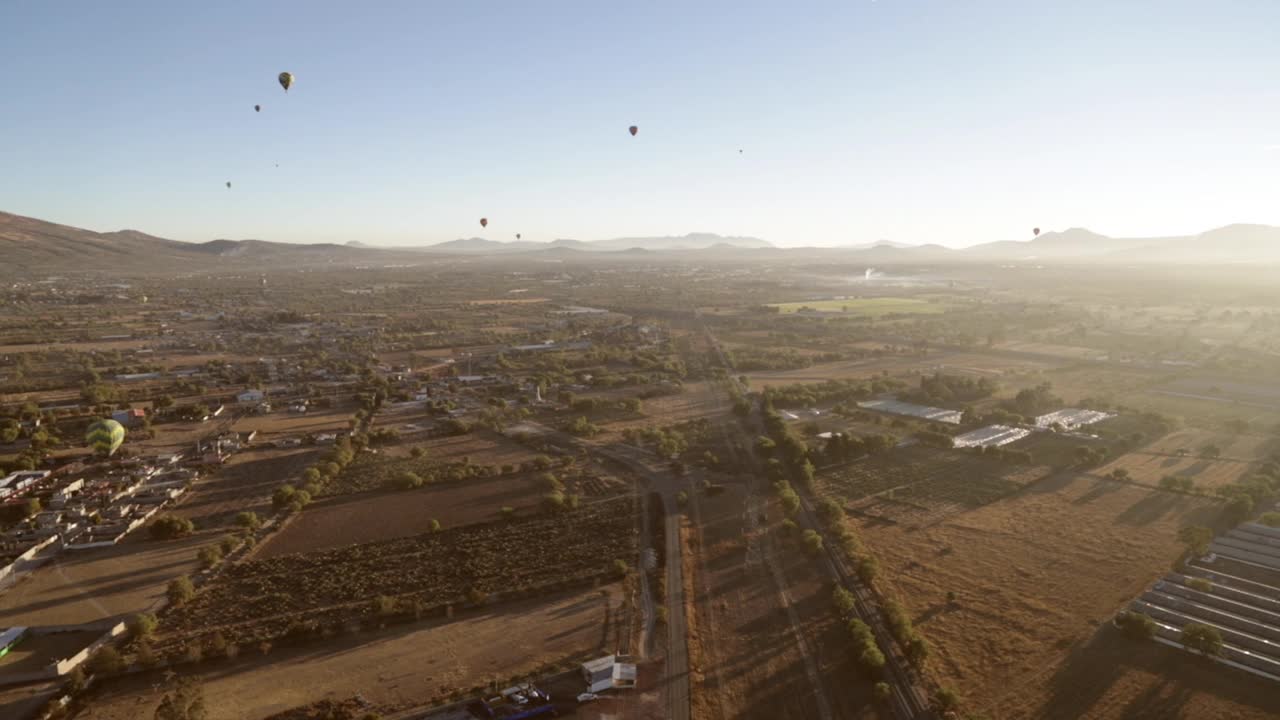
column 920, row 121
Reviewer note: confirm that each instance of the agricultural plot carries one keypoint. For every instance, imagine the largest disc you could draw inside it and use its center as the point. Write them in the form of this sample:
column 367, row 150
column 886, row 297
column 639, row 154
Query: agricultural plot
column 1147, row 468
column 920, row 484
column 396, row 668
column 262, row 599
column 374, row 517
column 281, row 424
column 1034, row 575
column 1232, row 446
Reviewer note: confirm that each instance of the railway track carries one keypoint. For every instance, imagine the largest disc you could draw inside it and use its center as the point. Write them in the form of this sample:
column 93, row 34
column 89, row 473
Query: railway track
column 908, row 699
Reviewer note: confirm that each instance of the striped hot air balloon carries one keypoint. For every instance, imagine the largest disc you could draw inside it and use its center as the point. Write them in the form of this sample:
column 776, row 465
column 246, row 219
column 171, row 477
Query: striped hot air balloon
column 105, row 437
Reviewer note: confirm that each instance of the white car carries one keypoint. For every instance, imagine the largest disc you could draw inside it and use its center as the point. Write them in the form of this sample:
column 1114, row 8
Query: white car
column 587, row 697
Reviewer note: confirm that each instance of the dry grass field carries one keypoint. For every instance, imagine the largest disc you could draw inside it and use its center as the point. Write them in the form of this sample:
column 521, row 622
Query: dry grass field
column 1147, row 468
column 395, row 668
column 1245, row 447
column 974, row 364
column 1035, row 574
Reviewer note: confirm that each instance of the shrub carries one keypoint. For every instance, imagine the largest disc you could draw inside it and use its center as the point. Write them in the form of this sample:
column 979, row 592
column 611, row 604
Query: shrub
column 1270, row 519
column 106, row 661
column 167, row 527
column 141, row 625
column 1200, row 584
column 1196, row 538
column 882, row 691
column 406, row 480
column 1204, row 639
column 620, row 567
column 209, row 556
column 228, row 544
column 180, row 590
column 435, row 525
column 868, row 568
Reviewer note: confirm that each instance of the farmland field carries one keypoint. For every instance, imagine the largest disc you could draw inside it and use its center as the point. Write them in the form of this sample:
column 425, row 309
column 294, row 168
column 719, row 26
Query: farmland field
column 868, row 307
column 263, row 598
column 1147, row 469
column 1035, row 575
column 373, row 517
column 921, row 484
column 395, row 668
column 1234, row 446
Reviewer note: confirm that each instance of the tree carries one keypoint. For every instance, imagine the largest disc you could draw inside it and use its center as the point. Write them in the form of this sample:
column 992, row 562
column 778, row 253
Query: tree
column 1204, row 639
column 843, row 601
column 620, row 567
column 248, row 520
column 435, row 525
column 283, row 496
column 1270, row 519
column 882, row 691
column 946, row 700
column 811, row 542
column 32, row 507
column 180, row 590
column 868, row 568
column 185, row 702
column 1196, row 538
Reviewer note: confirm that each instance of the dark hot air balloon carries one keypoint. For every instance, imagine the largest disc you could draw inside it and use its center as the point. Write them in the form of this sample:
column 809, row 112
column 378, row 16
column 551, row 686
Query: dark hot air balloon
column 484, row 222
column 1035, row 231
column 257, row 108
column 633, row 129
column 286, row 80
column 517, row 236
column 228, row 184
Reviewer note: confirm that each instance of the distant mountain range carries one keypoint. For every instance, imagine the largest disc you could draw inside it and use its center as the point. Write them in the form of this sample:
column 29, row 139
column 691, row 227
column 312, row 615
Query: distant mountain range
column 692, row 241
column 29, row 245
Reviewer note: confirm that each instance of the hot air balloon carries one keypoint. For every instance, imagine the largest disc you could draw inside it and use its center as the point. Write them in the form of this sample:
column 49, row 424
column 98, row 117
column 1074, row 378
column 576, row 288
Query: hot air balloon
column 484, row 222
column 517, row 236
column 286, row 80
column 228, row 184
column 1035, row 231
column 105, row 437
column 633, row 130
column 257, row 108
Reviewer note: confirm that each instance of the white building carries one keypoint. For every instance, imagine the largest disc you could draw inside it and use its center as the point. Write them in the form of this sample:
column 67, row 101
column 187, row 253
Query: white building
column 251, row 395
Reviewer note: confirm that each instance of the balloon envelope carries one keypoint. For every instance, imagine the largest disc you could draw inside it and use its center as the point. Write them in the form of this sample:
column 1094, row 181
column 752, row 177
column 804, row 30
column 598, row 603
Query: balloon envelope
column 286, row 80
column 1036, row 231
column 257, row 108
column 484, row 222
column 633, row 130
column 105, row 437
column 228, row 183
column 517, row 236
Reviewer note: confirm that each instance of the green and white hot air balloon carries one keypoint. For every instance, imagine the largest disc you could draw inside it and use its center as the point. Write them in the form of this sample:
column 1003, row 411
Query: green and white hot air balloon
column 105, row 437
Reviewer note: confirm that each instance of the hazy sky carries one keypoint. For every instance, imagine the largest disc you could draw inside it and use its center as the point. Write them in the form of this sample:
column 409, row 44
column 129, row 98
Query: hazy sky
column 912, row 120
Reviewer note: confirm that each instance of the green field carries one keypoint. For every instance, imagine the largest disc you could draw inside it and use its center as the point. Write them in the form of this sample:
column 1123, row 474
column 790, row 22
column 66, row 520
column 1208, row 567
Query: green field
column 870, row 307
